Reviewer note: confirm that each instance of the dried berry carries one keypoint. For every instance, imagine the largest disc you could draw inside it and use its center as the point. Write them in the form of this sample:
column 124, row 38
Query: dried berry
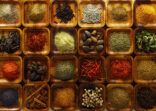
column 36, row 71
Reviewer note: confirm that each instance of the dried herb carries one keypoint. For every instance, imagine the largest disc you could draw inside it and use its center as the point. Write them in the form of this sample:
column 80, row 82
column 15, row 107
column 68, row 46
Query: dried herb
column 119, row 41
column 92, row 13
column 145, row 41
column 64, row 70
column 146, row 97
column 119, row 14
column 64, row 12
column 9, row 41
column 36, row 71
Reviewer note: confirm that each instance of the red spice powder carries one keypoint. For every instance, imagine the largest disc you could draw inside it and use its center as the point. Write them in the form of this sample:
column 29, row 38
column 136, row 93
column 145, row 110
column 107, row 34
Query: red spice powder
column 90, row 69
column 120, row 69
column 36, row 41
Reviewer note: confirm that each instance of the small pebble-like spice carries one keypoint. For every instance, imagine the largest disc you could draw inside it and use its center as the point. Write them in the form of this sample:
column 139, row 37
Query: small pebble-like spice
column 92, row 41
column 119, row 14
column 120, row 68
column 8, row 13
column 64, row 97
column 119, row 41
column 64, row 42
column 91, row 69
column 146, row 97
column 36, row 41
column 64, row 12
column 36, row 97
column 9, row 42
column 36, row 70
column 36, row 12
column 119, row 98
column 145, row 41
column 92, row 13
column 64, row 70
column 9, row 97
column 92, row 98
column 146, row 70
column 10, row 70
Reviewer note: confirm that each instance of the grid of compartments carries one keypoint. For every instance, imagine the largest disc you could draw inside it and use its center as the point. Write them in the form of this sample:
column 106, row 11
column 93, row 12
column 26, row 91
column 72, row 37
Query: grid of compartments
column 77, row 55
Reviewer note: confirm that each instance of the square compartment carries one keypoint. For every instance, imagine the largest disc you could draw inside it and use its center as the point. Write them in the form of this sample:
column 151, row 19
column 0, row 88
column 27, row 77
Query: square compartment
column 56, row 22
column 129, row 31
column 90, row 87
column 66, row 59
column 81, row 33
column 147, row 19
column 120, row 88
column 44, row 60
column 136, row 104
column 146, row 78
column 66, row 102
column 31, row 92
column 40, row 21
column 99, row 77
column 82, row 5
column 137, row 52
column 17, row 7
column 128, row 78
column 67, row 41
column 18, row 88
column 3, row 31
column 125, row 6
column 46, row 47
column 9, row 62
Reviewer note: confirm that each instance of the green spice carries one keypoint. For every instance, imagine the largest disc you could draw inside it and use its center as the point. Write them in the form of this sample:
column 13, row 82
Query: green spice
column 119, row 98
column 36, row 12
column 64, row 70
column 8, row 12
column 146, row 70
column 146, row 41
column 92, row 13
column 119, row 41
column 64, row 42
column 119, row 14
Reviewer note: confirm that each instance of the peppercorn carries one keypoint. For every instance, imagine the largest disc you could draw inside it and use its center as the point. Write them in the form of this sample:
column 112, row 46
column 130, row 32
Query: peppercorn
column 146, row 97
column 64, row 12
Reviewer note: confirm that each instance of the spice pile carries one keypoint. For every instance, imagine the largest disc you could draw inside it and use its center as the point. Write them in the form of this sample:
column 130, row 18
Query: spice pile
column 36, row 70
column 119, row 42
column 64, row 12
column 92, row 41
column 9, row 41
column 64, row 97
column 9, row 13
column 145, row 41
column 91, row 69
column 120, row 69
column 146, row 70
column 119, row 13
column 10, row 70
column 118, row 98
column 36, row 12
column 36, row 41
column 36, row 97
column 64, row 42
column 92, row 97
column 64, row 70
column 9, row 97
column 145, row 11
column 146, row 97
column 92, row 13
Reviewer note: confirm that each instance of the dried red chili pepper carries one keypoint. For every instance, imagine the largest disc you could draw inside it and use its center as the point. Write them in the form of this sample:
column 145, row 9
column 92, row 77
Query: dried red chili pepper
column 120, row 69
column 90, row 69
column 36, row 41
